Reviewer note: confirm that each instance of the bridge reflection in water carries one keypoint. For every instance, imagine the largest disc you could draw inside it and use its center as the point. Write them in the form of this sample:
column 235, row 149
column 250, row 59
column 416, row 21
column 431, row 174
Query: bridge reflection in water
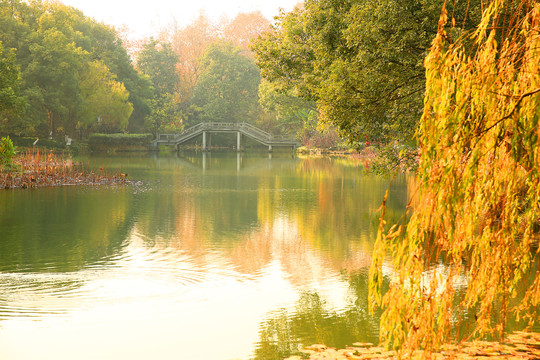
column 240, row 129
column 206, row 160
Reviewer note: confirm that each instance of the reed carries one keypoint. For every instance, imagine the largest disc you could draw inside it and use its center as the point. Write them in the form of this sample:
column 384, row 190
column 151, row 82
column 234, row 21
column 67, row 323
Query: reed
column 34, row 168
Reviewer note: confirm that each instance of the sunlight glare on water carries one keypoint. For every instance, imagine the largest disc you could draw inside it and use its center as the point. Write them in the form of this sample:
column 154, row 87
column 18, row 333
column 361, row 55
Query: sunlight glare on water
column 192, row 263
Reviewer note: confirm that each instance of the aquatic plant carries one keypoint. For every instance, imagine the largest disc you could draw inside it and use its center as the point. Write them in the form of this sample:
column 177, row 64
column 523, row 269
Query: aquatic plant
column 36, row 169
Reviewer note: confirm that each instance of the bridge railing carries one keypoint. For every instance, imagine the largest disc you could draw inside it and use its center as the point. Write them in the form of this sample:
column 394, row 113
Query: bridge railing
column 221, row 126
column 267, row 136
column 248, row 129
column 193, row 129
column 256, row 132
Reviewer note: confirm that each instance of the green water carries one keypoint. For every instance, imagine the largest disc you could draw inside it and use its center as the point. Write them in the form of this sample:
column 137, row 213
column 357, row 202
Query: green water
column 205, row 256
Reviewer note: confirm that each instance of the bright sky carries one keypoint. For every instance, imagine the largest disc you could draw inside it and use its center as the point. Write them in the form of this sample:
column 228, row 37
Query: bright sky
column 147, row 17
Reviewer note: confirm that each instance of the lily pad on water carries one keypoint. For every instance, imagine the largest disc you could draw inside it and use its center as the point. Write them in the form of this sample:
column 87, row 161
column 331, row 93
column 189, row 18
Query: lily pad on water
column 518, row 346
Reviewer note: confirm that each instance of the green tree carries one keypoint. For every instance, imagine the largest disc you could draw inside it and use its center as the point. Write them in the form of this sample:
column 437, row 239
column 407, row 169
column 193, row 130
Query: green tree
column 285, row 56
column 361, row 61
column 7, row 152
column 227, row 90
column 54, row 44
column 11, row 101
column 166, row 115
column 102, row 43
column 158, row 61
column 22, row 31
column 291, row 114
column 51, row 79
column 106, row 105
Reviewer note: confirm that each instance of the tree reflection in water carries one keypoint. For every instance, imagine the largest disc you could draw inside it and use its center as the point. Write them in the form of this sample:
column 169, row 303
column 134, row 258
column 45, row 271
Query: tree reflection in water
column 313, row 321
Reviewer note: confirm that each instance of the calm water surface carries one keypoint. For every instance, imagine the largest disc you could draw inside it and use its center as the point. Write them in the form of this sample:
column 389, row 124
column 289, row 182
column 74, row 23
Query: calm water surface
column 213, row 256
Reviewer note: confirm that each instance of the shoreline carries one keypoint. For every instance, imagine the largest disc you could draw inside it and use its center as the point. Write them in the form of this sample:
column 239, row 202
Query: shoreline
column 366, row 153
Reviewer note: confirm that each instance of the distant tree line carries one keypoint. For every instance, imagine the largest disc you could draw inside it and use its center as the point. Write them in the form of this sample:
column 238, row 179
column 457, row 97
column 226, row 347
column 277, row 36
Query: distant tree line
column 207, row 72
column 63, row 73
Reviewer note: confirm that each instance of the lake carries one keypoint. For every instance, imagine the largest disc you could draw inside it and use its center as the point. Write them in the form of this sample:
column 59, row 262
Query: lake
column 205, row 256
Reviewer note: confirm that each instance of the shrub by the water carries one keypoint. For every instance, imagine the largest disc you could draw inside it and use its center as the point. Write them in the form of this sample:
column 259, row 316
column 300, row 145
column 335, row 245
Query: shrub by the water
column 28, row 142
column 7, row 151
column 102, row 142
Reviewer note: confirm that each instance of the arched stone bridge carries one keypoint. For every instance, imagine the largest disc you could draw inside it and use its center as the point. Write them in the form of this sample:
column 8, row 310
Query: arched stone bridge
column 240, row 129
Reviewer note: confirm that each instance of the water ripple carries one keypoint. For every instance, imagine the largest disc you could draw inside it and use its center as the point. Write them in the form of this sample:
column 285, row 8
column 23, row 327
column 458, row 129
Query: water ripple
column 138, row 274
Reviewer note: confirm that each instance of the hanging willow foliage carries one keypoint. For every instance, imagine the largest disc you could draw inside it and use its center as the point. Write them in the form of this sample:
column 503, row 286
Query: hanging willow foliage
column 476, row 221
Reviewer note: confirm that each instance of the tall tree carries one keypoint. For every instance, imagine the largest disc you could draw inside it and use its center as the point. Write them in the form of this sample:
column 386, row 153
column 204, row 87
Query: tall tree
column 285, row 57
column 51, row 79
column 103, row 43
column 11, row 101
column 227, row 90
column 158, row 61
column 245, row 27
column 106, row 105
column 190, row 44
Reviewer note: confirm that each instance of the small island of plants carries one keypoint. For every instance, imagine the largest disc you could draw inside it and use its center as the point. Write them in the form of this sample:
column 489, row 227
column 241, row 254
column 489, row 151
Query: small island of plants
column 32, row 169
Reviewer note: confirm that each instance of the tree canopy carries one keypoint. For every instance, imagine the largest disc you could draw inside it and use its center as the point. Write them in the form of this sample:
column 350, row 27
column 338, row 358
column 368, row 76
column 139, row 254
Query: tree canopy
column 105, row 99
column 11, row 102
column 227, row 90
column 158, row 61
column 361, row 61
column 55, row 47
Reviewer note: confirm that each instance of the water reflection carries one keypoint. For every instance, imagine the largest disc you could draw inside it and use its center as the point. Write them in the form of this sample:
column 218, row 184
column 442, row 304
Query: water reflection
column 252, row 254
column 61, row 229
column 314, row 321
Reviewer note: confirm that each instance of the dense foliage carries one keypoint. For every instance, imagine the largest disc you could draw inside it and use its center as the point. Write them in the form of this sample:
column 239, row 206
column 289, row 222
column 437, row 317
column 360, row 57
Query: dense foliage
column 11, row 102
column 478, row 204
column 69, row 65
column 360, row 61
column 227, row 88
